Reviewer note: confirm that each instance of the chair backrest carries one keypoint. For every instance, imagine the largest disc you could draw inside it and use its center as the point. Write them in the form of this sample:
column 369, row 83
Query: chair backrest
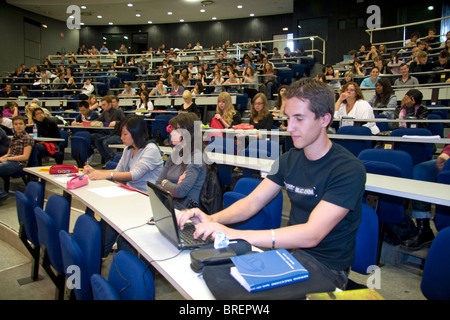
column 366, row 241
column 35, row 192
column 441, row 112
column 49, row 222
column 268, row 218
column 399, row 158
column 355, row 146
column 435, row 283
column 26, row 217
column 84, row 134
column 79, row 150
column 222, row 145
column 442, row 214
column 446, row 166
column 102, row 290
column 264, row 149
column 436, row 128
column 420, row 152
column 383, row 126
column 82, row 250
column 64, row 135
column 131, row 278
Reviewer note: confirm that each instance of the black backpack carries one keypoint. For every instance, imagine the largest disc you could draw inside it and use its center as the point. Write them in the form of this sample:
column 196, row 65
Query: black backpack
column 211, row 197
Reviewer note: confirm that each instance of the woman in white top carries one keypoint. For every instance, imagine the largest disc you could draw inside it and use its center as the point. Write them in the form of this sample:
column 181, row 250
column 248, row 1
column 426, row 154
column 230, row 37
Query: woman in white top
column 145, row 103
column 351, row 103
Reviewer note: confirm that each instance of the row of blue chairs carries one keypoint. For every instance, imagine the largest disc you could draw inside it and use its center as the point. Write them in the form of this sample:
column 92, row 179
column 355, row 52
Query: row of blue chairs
column 77, row 256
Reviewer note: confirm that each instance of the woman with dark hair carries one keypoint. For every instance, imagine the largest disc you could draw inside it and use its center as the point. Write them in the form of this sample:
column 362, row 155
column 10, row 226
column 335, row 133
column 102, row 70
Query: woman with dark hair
column 184, row 172
column 140, row 162
column 384, row 98
column 411, row 107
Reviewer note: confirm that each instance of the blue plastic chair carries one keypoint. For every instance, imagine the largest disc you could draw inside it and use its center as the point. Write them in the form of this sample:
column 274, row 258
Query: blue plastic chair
column 383, row 126
column 436, row 128
column 435, row 283
column 80, row 144
column 49, row 222
column 268, row 218
column 395, row 163
column 159, row 126
column 442, row 213
column 81, row 254
column 298, row 70
column 128, row 279
column 111, row 165
column 354, row 146
column 420, row 152
column 285, row 76
column 226, row 146
column 28, row 234
column 366, row 241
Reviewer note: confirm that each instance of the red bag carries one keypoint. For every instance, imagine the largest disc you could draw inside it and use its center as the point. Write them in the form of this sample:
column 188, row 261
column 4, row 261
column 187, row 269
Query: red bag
column 243, row 126
column 63, row 168
column 215, row 124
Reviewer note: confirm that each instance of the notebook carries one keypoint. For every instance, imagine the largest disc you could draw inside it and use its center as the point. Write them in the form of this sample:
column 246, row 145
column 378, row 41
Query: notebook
column 161, row 202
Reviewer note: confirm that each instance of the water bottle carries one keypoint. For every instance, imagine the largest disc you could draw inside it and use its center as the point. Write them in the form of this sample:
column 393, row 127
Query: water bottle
column 34, row 135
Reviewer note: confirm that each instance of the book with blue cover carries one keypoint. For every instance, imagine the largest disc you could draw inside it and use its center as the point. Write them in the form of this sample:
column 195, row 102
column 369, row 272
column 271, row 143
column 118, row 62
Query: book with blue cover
column 267, row 270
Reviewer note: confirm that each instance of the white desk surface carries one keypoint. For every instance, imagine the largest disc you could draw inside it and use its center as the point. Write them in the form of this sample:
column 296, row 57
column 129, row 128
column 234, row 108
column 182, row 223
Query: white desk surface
column 123, row 213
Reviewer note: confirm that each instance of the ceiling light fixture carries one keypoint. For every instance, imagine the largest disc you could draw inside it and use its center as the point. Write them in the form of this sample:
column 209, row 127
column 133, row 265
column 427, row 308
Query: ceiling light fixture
column 252, row 14
column 181, row 20
column 110, row 23
column 240, row 6
column 149, row 21
column 130, row 4
column 169, row 13
column 83, row 7
column 214, row 18
column 138, row 14
column 99, row 17
column 202, row 10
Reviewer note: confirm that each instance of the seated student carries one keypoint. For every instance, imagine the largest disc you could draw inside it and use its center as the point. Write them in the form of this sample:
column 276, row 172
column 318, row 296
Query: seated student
column 11, row 109
column 421, row 211
column 260, row 117
column 160, row 89
column 145, row 102
column 406, row 79
column 6, row 124
column 384, row 98
column 19, row 151
column 128, row 91
column 86, row 90
column 423, row 65
column 226, row 116
column 217, row 81
column 184, row 172
column 188, row 105
column 141, row 162
column 411, row 107
column 4, row 142
column 322, row 228
column 110, row 117
column 351, row 103
column 86, row 114
column 177, row 88
column 8, row 93
column 48, row 128
column 233, row 79
column 371, row 81
column 93, row 103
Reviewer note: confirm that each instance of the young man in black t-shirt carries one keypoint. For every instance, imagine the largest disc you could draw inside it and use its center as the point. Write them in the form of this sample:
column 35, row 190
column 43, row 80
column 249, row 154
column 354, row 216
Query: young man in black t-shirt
column 324, row 182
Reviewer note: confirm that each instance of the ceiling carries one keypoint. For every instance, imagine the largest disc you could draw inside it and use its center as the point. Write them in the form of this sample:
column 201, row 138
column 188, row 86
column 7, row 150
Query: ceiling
column 118, row 12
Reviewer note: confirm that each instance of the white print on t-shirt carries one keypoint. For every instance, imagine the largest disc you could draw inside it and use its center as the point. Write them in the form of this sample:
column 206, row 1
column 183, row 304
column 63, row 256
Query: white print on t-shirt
column 299, row 190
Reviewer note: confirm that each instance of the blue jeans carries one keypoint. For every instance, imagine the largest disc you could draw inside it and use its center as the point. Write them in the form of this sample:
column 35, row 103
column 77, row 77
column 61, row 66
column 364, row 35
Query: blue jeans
column 425, row 171
column 8, row 168
column 102, row 143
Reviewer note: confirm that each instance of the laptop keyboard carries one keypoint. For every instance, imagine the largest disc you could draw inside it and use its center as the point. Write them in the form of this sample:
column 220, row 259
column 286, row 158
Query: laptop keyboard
column 187, row 235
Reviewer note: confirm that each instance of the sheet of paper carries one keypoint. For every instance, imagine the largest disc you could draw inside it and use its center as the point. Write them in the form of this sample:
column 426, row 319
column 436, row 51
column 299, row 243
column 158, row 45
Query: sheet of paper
column 111, row 192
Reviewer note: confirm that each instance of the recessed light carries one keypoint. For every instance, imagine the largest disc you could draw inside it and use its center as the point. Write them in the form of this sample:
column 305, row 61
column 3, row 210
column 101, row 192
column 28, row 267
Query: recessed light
column 149, row 21
column 138, row 14
column 202, row 10
column 130, row 4
column 82, row 23
column 252, row 14
column 285, row 29
column 99, row 17
column 169, row 13
column 181, row 20
column 430, row 8
column 110, row 23
column 240, row 6
column 83, row 7
column 214, row 18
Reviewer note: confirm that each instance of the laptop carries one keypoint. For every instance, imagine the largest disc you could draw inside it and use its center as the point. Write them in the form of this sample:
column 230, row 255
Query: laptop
column 161, row 202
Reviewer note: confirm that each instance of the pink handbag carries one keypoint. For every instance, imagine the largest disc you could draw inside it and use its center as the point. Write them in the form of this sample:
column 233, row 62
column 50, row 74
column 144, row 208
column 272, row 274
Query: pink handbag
column 77, row 182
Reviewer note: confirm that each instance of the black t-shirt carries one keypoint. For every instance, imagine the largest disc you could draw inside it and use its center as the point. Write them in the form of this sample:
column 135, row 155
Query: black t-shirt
column 339, row 178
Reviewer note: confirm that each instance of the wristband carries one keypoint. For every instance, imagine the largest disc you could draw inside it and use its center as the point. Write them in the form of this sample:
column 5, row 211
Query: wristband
column 112, row 175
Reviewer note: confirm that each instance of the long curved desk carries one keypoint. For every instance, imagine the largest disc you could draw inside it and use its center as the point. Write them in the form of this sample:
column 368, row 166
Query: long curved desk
column 128, row 212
